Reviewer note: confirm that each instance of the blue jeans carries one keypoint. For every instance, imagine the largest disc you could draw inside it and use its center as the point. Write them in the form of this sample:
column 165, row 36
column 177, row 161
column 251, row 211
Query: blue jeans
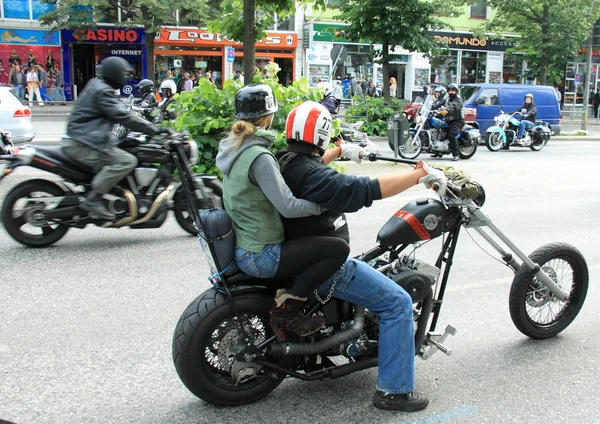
column 20, row 91
column 259, row 265
column 360, row 284
column 44, row 95
column 59, row 95
column 524, row 124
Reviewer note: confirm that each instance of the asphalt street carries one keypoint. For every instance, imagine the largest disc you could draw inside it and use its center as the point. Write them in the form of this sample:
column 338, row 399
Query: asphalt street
column 86, row 325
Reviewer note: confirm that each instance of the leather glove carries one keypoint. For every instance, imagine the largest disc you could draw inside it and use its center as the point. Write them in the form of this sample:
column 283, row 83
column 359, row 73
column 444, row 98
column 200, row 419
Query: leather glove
column 444, row 112
column 432, row 176
column 353, row 152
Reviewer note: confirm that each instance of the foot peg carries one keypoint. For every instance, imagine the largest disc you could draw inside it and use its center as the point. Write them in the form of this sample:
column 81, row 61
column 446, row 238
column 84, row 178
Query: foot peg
column 435, row 342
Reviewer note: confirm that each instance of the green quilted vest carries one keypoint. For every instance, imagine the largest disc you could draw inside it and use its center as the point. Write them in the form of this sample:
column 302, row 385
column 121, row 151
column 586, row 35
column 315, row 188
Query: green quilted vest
column 256, row 222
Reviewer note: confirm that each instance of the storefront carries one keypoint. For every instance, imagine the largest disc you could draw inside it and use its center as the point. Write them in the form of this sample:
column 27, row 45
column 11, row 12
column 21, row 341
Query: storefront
column 84, row 50
column 199, row 51
column 468, row 60
column 25, row 46
column 574, row 82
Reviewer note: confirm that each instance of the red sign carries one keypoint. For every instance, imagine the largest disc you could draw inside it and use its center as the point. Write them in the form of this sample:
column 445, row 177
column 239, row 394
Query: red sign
column 188, row 37
column 105, row 34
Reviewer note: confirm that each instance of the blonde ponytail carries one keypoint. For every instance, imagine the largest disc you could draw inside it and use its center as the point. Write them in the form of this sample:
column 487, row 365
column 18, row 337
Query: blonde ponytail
column 242, row 129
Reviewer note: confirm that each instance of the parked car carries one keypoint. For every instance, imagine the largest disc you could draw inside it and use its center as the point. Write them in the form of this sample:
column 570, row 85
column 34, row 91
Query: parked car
column 15, row 117
column 488, row 99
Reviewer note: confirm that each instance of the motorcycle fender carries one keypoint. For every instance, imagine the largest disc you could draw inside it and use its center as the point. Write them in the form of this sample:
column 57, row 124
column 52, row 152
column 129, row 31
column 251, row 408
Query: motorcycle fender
column 178, row 187
column 243, row 288
column 495, row 129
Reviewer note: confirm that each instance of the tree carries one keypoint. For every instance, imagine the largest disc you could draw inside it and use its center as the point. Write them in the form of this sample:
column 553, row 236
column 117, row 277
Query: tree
column 148, row 14
column 405, row 23
column 248, row 21
column 551, row 30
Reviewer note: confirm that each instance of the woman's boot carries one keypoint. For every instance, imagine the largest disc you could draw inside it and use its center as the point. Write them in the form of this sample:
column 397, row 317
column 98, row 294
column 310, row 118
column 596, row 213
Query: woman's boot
column 288, row 315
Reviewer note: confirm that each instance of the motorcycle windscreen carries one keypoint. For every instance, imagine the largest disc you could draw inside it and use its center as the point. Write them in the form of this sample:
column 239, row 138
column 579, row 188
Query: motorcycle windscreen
column 421, row 219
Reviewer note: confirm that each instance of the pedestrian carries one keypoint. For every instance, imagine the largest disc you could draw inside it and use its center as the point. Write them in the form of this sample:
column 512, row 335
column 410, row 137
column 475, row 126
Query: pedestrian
column 559, row 96
column 353, row 84
column 33, row 86
column 188, row 84
column 17, row 80
column 372, row 90
column 393, row 87
column 239, row 75
column 596, row 102
column 427, row 90
column 43, row 78
column 365, row 86
column 59, row 88
column 181, row 82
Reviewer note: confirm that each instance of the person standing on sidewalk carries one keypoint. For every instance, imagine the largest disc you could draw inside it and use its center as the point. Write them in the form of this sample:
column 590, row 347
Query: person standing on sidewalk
column 59, row 88
column 17, row 80
column 33, row 86
column 43, row 83
column 596, row 102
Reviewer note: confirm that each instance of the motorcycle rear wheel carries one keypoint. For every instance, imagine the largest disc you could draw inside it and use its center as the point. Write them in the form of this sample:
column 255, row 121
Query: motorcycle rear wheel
column 538, row 144
column 204, row 330
column 534, row 310
column 467, row 152
column 41, row 233
column 181, row 210
column 493, row 142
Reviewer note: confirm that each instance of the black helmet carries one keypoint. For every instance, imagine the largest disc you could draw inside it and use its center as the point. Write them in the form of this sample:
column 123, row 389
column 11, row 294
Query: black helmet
column 114, row 70
column 254, row 101
column 453, row 87
column 146, row 86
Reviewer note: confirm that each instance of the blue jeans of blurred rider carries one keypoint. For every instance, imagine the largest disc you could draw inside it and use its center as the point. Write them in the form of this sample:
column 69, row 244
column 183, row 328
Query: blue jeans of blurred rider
column 522, row 127
column 360, row 284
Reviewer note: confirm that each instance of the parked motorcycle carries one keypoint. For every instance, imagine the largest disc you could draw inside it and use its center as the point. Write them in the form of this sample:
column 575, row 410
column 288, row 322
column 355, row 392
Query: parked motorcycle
column 430, row 135
column 504, row 133
column 225, row 351
column 38, row 212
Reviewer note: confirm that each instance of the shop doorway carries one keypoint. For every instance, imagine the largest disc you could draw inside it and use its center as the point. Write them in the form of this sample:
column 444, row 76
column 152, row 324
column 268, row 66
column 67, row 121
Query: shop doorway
column 398, row 71
column 84, row 65
column 286, row 74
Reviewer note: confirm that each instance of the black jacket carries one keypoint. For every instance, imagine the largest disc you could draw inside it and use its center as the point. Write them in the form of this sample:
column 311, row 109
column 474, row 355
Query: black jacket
column 96, row 111
column 310, row 179
column 13, row 78
column 529, row 115
column 456, row 109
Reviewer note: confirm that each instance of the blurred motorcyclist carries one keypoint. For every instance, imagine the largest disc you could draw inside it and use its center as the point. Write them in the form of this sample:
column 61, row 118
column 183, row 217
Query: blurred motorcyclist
column 528, row 112
column 439, row 94
column 148, row 99
column 89, row 137
column 454, row 114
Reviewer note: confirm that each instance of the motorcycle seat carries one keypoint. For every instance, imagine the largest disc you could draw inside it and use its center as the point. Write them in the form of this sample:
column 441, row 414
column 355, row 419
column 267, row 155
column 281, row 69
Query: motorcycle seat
column 57, row 152
column 241, row 279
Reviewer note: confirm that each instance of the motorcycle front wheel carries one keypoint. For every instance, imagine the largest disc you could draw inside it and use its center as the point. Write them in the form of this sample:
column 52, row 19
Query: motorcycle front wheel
column 410, row 149
column 534, row 310
column 23, row 214
column 181, row 210
column 493, row 142
column 205, row 345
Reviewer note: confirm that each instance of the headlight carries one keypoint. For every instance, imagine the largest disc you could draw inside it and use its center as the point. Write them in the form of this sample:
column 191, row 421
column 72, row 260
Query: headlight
column 193, row 152
column 419, row 120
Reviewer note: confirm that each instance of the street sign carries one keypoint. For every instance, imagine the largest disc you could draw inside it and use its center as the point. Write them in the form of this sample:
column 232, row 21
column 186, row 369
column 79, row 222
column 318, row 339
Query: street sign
column 230, row 54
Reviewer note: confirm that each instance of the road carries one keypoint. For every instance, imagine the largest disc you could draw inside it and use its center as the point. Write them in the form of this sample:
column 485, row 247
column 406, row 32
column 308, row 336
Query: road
column 86, row 325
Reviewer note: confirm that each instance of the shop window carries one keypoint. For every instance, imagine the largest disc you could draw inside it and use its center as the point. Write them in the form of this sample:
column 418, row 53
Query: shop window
column 444, row 68
column 16, row 9
column 473, row 65
column 39, row 8
column 286, row 24
column 478, row 10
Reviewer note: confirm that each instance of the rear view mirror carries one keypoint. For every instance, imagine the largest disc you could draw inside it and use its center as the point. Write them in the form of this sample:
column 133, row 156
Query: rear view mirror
column 481, row 101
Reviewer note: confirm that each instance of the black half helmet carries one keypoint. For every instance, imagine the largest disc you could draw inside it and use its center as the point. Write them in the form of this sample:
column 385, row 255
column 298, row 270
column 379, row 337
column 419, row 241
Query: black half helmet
column 255, row 100
column 114, row 71
column 146, row 86
column 453, row 87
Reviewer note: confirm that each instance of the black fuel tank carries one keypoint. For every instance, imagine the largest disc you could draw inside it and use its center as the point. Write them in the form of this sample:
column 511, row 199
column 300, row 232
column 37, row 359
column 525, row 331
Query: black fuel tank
column 421, row 219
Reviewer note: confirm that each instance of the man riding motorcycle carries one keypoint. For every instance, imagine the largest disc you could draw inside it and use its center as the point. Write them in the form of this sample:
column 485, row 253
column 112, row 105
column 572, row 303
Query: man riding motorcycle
column 89, row 138
column 304, row 168
column 528, row 112
column 454, row 113
column 148, row 99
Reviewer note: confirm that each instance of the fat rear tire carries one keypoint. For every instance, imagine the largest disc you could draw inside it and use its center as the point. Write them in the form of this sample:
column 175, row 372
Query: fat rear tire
column 526, row 292
column 202, row 318
column 13, row 224
column 467, row 152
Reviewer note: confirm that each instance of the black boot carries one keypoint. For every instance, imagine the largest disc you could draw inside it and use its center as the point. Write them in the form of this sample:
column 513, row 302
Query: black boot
column 408, row 402
column 95, row 207
column 288, row 315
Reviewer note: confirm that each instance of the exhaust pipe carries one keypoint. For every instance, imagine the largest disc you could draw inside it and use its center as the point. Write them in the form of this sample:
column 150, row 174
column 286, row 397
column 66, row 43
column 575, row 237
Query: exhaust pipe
column 323, row 345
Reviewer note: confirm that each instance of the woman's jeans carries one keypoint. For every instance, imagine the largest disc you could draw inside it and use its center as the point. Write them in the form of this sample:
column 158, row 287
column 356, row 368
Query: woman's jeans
column 360, row 284
column 259, row 265
column 524, row 124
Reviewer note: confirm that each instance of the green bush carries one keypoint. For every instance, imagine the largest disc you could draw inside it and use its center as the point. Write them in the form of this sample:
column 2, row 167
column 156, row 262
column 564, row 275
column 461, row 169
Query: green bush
column 378, row 111
column 207, row 113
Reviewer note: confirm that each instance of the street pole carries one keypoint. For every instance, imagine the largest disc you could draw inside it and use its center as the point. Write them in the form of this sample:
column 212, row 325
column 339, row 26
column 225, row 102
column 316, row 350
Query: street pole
column 588, row 76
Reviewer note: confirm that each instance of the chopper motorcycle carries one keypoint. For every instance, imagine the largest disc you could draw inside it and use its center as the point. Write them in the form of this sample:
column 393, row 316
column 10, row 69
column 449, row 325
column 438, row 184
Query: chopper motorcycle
column 226, row 353
column 39, row 212
column 504, row 133
column 429, row 134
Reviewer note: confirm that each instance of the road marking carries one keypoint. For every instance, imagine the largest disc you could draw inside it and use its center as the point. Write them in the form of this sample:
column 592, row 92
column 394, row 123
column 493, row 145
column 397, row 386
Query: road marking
column 464, row 411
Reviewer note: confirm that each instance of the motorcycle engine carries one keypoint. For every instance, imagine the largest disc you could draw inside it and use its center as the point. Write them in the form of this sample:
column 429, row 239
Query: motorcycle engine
column 441, row 146
column 366, row 344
